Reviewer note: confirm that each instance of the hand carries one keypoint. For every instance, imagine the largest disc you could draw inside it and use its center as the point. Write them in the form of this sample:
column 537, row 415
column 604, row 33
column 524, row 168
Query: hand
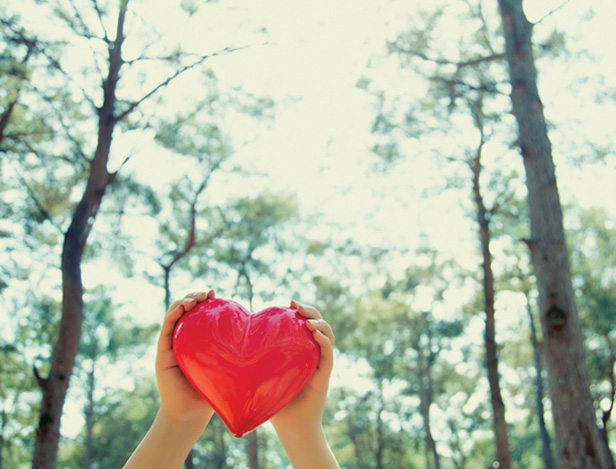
column 183, row 413
column 178, row 399
column 306, row 410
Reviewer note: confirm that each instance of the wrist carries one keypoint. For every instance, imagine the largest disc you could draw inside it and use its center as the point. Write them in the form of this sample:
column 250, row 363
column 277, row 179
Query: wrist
column 187, row 428
column 306, row 446
column 298, row 430
column 167, row 442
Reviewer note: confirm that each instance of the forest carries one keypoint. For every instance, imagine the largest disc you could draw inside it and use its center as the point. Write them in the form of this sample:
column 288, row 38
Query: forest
column 436, row 178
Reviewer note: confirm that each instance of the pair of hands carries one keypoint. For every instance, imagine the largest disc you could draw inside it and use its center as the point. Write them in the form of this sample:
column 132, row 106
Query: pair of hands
column 182, row 403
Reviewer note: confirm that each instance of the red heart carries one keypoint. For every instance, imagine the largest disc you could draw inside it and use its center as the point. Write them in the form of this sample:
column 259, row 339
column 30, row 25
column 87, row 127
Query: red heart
column 247, row 366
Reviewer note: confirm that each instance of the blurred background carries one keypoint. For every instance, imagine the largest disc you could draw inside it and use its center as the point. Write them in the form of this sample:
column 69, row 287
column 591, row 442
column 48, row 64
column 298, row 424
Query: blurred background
column 351, row 155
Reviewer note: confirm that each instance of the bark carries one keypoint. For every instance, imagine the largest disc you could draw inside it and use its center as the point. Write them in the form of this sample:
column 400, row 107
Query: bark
column 354, row 440
column 87, row 460
column 253, row 450
column 491, row 357
column 2, row 430
column 220, row 458
column 55, row 385
column 548, row 458
column 354, row 437
column 425, row 402
column 579, row 442
column 378, row 454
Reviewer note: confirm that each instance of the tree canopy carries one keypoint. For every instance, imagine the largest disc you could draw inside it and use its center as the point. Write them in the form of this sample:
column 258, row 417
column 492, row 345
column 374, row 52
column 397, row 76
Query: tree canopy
column 437, row 179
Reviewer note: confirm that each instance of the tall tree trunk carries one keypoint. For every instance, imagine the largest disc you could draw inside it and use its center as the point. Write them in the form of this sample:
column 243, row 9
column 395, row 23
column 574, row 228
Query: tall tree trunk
column 353, row 436
column 548, row 458
column 55, row 385
column 218, row 436
column 87, row 459
column 253, row 449
column 357, row 447
column 2, row 430
column 491, row 357
column 425, row 402
column 580, row 444
column 378, row 453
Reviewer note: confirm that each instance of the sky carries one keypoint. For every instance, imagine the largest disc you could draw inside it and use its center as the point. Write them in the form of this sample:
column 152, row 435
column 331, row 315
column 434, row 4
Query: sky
column 310, row 63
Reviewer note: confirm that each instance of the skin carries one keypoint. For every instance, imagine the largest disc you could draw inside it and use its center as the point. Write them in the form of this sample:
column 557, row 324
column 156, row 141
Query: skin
column 183, row 414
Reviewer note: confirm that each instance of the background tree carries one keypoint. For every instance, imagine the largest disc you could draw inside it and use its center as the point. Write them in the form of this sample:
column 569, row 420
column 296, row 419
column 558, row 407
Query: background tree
column 111, row 105
column 464, row 87
column 104, row 340
column 191, row 167
column 579, row 445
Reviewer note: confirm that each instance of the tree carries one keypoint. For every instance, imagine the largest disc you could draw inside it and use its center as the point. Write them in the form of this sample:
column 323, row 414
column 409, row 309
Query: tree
column 463, row 88
column 392, row 328
column 578, row 438
column 484, row 215
column 113, row 108
column 104, row 339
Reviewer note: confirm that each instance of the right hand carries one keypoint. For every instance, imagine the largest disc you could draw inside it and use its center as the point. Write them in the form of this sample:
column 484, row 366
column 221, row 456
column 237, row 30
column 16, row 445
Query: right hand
column 178, row 398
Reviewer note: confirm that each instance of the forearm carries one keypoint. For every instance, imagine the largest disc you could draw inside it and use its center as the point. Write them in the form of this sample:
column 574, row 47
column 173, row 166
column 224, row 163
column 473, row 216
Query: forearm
column 307, row 448
column 166, row 444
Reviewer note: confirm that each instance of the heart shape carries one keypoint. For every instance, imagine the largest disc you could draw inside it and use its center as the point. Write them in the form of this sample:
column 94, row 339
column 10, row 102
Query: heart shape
column 247, row 366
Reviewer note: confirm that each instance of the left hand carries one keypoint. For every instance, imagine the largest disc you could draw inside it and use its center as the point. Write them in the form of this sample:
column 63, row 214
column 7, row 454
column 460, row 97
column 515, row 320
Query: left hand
column 306, row 410
column 178, row 398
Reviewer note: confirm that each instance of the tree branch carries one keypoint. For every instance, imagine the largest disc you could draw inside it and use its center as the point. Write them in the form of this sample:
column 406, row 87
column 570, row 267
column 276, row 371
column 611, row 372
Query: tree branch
column 461, row 64
column 173, row 77
column 551, row 12
column 100, row 19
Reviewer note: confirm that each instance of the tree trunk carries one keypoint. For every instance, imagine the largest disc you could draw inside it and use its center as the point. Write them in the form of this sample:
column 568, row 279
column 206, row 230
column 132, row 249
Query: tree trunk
column 2, row 430
column 353, row 436
column 55, row 385
column 355, row 441
column 218, row 436
column 491, row 357
column 87, row 459
column 548, row 458
column 425, row 402
column 253, row 450
column 378, row 453
column 578, row 438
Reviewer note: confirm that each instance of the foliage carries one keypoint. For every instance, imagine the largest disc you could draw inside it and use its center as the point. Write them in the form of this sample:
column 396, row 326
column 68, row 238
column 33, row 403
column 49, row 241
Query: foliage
column 181, row 210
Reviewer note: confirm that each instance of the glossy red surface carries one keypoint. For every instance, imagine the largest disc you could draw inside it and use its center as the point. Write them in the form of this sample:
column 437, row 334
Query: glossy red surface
column 247, row 366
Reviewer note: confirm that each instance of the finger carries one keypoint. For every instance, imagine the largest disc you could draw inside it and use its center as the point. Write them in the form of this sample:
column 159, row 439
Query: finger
column 326, row 362
column 323, row 327
column 175, row 311
column 201, row 295
column 197, row 297
column 306, row 311
column 173, row 307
